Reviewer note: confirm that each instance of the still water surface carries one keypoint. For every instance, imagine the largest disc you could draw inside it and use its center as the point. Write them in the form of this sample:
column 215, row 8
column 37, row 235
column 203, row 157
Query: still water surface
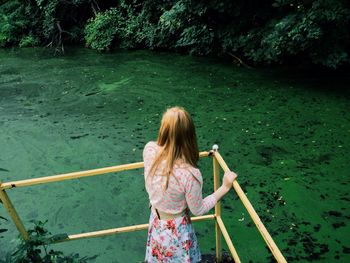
column 287, row 136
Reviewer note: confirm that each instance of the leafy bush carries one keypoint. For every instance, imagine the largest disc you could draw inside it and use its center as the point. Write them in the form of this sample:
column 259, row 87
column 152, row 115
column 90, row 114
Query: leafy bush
column 101, row 30
column 261, row 32
column 197, row 39
column 30, row 23
column 37, row 249
column 14, row 22
column 119, row 27
column 29, row 41
column 306, row 31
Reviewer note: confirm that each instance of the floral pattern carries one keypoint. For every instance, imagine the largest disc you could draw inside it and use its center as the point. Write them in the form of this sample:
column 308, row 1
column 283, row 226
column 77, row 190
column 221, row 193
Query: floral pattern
column 172, row 241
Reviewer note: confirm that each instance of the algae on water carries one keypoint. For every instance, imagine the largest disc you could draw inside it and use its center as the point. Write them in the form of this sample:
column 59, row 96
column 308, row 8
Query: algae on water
column 286, row 135
column 123, row 83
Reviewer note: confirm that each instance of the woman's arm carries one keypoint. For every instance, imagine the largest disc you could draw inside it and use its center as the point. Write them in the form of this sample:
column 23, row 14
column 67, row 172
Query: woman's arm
column 227, row 181
column 149, row 152
column 193, row 193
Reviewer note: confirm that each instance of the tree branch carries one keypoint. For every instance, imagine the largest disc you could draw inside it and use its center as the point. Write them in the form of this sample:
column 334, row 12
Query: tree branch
column 240, row 61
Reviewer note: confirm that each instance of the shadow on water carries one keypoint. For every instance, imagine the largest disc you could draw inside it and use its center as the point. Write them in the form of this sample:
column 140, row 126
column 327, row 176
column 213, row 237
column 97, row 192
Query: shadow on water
column 315, row 78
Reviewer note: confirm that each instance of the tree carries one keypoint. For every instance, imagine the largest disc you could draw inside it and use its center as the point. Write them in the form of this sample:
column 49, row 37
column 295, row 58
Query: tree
column 260, row 32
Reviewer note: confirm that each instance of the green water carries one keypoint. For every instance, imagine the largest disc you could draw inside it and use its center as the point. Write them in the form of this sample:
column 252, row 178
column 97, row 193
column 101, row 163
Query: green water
column 286, row 135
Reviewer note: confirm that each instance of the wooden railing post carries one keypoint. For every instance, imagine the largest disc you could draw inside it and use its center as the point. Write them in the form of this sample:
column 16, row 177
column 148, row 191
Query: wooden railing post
column 12, row 212
column 256, row 219
column 218, row 234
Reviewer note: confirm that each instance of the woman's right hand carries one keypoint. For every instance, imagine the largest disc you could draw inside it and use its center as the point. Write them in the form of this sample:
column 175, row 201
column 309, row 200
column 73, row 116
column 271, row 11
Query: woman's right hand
column 228, row 179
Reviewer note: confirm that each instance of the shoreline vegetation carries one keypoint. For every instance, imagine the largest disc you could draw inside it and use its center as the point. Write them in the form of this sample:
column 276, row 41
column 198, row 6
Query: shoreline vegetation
column 250, row 33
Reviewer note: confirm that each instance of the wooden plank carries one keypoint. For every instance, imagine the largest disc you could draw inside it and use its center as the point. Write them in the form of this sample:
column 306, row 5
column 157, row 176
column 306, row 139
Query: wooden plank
column 74, row 175
column 228, row 240
column 13, row 214
column 203, row 154
column 218, row 235
column 125, row 229
column 69, row 176
column 263, row 231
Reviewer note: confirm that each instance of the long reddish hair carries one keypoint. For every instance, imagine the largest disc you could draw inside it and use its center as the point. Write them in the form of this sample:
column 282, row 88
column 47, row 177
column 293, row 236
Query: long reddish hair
column 178, row 141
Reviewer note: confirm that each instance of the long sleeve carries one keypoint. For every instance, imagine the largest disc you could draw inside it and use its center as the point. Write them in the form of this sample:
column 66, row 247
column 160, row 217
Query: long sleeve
column 193, row 193
column 149, row 153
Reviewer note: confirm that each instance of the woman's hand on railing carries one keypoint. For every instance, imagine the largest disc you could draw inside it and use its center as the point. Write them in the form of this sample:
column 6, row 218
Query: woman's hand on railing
column 228, row 179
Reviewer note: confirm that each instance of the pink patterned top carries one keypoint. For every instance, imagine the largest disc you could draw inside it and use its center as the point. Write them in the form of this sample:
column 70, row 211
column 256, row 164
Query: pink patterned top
column 184, row 189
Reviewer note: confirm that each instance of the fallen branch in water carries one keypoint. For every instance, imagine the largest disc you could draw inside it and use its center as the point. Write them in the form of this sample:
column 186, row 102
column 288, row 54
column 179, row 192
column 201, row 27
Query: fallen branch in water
column 240, row 61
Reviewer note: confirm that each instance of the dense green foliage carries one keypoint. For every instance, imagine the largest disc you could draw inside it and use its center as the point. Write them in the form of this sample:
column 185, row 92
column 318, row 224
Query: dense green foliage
column 37, row 250
column 275, row 31
column 40, row 22
column 101, row 30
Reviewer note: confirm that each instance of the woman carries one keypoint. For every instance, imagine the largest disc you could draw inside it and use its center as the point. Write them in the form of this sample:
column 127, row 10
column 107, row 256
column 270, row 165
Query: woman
column 174, row 185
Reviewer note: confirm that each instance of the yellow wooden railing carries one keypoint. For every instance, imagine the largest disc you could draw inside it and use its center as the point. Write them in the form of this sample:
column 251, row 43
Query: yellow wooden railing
column 220, row 229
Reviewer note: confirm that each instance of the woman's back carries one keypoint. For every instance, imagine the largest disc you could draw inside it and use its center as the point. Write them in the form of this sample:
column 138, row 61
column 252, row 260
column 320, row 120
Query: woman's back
column 184, row 187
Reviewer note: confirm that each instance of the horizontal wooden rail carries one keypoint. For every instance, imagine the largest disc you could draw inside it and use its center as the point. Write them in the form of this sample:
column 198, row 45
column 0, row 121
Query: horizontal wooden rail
column 228, row 239
column 120, row 230
column 262, row 229
column 69, row 176
column 74, row 175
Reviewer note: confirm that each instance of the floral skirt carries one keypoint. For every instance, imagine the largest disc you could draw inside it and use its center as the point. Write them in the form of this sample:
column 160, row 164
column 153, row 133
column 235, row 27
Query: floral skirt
column 171, row 240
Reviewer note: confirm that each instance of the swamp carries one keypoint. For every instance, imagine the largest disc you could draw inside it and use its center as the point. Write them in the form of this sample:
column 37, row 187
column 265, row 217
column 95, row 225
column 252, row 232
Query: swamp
column 285, row 133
